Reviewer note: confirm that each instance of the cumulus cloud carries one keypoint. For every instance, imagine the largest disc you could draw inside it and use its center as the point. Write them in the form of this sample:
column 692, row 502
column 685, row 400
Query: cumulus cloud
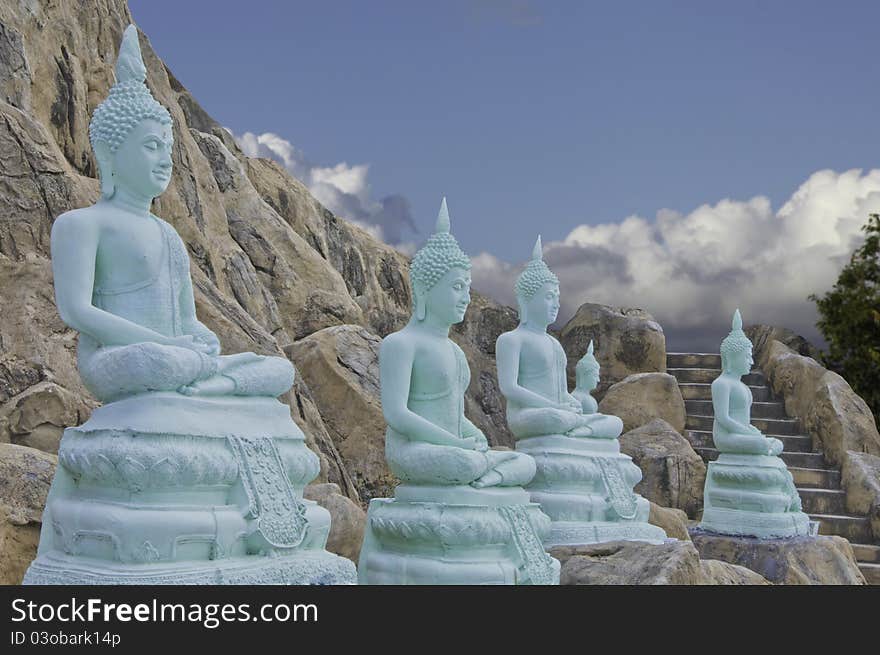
column 692, row 270
column 343, row 189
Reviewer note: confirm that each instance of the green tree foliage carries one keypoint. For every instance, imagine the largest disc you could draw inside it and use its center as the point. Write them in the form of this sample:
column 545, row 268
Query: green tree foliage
column 850, row 319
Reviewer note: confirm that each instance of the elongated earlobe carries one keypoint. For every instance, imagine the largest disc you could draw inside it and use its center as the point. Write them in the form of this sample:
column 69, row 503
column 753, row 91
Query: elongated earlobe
column 105, row 170
column 523, row 315
column 420, row 308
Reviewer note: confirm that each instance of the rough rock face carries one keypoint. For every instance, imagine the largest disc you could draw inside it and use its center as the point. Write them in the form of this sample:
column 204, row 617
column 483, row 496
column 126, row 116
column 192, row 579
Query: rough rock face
column 800, row 560
column 625, row 340
column 348, row 520
column 673, row 521
column 341, row 367
column 25, row 476
column 832, row 413
column 642, row 397
column 673, row 474
column 762, row 336
column 634, row 563
column 861, row 479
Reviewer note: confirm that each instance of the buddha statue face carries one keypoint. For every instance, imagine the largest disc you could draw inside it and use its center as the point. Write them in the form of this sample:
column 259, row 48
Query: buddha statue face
column 447, row 301
column 543, row 307
column 587, row 377
column 739, row 362
column 142, row 163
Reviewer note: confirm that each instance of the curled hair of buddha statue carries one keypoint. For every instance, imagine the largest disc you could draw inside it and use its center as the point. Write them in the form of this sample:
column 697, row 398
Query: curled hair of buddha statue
column 128, row 103
column 588, row 363
column 736, row 342
column 535, row 275
column 439, row 255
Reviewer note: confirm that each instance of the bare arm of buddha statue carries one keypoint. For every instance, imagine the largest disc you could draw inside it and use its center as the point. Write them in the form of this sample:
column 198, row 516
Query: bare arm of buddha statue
column 507, row 356
column 396, row 356
column 73, row 270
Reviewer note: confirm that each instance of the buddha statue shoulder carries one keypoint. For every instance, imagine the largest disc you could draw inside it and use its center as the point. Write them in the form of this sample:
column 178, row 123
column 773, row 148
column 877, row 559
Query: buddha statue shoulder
column 532, row 366
column 424, row 376
column 122, row 274
column 732, row 430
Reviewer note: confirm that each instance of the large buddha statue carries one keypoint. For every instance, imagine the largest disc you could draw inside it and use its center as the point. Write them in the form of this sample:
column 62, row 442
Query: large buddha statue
column 583, row 481
column 460, row 515
column 192, row 471
column 749, row 490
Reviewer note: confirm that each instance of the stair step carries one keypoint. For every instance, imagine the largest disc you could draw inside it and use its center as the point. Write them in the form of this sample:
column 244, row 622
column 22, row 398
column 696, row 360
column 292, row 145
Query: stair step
column 871, row 573
column 703, row 391
column 853, row 528
column 815, row 478
column 766, row 425
column 773, row 409
column 709, row 374
column 866, row 553
column 823, row 501
column 693, row 360
column 795, row 460
column 790, row 443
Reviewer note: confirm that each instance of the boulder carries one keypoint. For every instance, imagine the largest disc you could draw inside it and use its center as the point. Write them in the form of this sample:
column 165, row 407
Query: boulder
column 638, row 563
column 832, row 413
column 340, row 365
column 762, row 336
column 37, row 416
column 347, row 519
column 860, row 476
column 25, row 477
column 625, row 340
column 673, row 521
column 640, row 398
column 718, row 572
column 825, row 560
column 673, row 474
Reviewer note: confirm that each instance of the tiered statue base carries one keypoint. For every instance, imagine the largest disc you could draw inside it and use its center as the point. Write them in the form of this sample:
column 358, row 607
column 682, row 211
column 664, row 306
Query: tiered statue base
column 168, row 489
column 752, row 495
column 585, row 486
column 449, row 535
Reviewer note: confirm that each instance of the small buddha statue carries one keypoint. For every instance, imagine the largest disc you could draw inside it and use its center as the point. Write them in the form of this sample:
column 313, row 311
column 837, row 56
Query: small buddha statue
column 586, row 380
column 460, row 515
column 749, row 491
column 732, row 430
column 583, row 481
column 192, row 472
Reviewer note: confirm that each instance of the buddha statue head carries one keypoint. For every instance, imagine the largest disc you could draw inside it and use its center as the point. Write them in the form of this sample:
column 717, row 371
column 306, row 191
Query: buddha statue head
column 736, row 349
column 587, row 370
column 440, row 274
column 130, row 132
column 537, row 291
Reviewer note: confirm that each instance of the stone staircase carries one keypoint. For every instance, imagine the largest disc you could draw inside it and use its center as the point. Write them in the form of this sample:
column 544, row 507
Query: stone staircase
column 817, row 483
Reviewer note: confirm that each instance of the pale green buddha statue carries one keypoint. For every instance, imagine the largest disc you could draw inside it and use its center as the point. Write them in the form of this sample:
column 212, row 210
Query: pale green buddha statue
column 460, row 515
column 583, row 481
column 192, row 471
column 748, row 491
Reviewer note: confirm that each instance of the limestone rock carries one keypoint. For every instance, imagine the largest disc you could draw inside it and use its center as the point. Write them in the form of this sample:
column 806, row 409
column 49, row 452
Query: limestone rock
column 673, row 474
column 37, row 416
column 348, row 520
column 626, row 341
column 716, row 572
column 25, row 476
column 642, row 397
column 762, row 336
column 824, row 560
column 831, row 412
column 860, row 477
column 341, row 367
column 629, row 563
column 673, row 521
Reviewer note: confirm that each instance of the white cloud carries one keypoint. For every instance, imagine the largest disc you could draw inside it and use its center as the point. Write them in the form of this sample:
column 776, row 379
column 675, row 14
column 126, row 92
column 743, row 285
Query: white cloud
column 692, row 270
column 343, row 189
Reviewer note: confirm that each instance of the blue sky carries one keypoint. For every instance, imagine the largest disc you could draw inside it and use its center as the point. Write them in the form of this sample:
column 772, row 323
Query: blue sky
column 542, row 116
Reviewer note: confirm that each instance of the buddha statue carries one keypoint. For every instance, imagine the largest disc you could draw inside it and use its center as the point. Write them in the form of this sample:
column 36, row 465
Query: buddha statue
column 583, row 481
column 586, row 380
column 192, row 471
column 460, row 514
column 748, row 491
